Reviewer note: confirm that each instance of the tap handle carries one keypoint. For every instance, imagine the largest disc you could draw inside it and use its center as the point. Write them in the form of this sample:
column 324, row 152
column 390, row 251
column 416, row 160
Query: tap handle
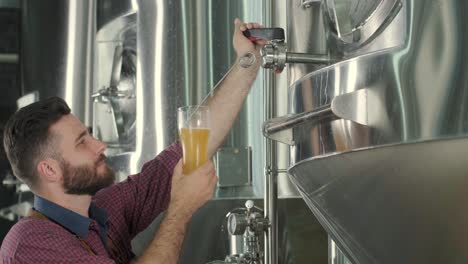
column 268, row 34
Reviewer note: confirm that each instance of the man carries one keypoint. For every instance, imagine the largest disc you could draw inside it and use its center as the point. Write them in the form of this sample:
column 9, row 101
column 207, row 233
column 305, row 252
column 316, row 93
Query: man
column 79, row 215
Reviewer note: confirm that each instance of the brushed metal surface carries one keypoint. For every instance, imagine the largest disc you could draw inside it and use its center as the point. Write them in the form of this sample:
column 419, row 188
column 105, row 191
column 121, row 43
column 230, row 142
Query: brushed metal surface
column 414, row 92
column 57, row 39
column 187, row 48
column 400, row 203
column 397, row 200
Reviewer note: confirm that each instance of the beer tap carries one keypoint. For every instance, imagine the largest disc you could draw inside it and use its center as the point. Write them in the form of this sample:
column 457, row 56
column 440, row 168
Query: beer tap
column 274, row 53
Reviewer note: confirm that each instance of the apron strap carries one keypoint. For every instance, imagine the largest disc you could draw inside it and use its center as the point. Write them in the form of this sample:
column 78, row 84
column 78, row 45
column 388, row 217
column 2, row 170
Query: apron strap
column 37, row 215
column 111, row 246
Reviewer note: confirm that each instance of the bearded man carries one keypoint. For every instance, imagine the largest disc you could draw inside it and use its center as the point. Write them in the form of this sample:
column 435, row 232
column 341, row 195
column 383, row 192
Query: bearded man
column 80, row 215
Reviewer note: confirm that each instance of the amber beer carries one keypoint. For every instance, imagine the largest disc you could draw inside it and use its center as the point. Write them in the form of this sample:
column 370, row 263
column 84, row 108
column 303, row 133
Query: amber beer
column 194, row 132
column 195, row 147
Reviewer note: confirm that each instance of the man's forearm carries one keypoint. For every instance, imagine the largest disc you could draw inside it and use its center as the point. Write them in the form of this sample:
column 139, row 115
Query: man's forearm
column 228, row 100
column 166, row 245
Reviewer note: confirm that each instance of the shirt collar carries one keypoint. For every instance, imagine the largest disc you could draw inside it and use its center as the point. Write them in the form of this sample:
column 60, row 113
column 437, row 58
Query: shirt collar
column 72, row 221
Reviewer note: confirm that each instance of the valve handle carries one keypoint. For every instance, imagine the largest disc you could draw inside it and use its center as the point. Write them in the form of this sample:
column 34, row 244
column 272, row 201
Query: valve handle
column 268, row 34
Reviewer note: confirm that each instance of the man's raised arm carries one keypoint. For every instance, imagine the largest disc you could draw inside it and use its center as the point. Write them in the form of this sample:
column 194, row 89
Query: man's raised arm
column 229, row 97
column 190, row 192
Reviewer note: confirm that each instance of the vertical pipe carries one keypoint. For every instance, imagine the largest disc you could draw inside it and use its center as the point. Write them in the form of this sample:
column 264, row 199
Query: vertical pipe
column 271, row 188
column 268, row 179
column 272, row 196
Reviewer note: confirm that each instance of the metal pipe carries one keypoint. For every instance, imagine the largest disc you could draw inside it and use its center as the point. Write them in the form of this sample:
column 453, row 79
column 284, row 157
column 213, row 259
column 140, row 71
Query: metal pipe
column 271, row 187
column 315, row 116
column 292, row 57
column 272, row 206
column 266, row 199
column 267, row 14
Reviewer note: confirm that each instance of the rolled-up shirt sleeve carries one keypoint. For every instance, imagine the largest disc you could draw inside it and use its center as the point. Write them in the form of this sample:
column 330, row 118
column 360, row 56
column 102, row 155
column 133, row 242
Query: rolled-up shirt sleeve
column 134, row 203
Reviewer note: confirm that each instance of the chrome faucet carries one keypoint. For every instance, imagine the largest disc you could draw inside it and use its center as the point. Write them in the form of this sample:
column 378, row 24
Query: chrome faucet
column 274, row 53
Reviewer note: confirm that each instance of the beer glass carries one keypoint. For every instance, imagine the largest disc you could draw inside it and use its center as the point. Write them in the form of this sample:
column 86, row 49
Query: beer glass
column 194, row 131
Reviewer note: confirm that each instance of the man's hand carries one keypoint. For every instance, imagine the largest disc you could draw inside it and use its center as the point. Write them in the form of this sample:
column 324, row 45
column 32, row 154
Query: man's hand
column 190, row 192
column 241, row 44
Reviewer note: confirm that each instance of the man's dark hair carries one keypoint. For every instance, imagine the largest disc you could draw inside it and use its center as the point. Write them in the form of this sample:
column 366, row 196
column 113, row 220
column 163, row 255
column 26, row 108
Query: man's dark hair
column 27, row 139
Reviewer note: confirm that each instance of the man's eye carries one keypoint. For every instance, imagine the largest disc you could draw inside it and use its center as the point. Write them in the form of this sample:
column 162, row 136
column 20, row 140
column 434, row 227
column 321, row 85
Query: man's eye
column 81, row 142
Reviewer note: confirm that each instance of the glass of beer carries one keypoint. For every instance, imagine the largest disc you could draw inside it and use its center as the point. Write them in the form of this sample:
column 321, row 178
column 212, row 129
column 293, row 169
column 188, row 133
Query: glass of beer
column 194, row 131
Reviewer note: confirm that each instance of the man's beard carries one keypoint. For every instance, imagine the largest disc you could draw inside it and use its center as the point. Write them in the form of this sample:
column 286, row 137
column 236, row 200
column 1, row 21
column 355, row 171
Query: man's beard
column 85, row 179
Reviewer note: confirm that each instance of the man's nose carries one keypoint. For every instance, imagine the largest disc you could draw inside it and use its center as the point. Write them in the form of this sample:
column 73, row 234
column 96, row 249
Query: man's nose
column 99, row 146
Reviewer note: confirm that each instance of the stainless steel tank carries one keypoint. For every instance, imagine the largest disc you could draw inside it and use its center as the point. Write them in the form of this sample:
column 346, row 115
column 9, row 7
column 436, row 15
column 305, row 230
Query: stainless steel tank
column 136, row 62
column 379, row 135
column 187, row 49
column 57, row 40
column 183, row 50
column 186, row 55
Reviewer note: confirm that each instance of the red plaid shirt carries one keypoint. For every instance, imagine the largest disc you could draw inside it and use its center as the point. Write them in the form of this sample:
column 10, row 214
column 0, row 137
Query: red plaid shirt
column 131, row 206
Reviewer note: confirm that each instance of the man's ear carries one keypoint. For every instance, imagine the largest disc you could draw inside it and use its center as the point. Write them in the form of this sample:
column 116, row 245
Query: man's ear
column 49, row 170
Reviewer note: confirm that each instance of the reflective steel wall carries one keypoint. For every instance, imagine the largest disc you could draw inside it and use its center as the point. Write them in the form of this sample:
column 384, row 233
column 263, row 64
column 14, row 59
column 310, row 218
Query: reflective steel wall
column 183, row 49
column 57, row 51
column 187, row 48
column 383, row 177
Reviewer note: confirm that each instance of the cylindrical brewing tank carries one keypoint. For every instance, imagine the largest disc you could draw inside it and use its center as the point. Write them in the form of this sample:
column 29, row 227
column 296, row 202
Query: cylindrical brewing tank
column 57, row 44
column 386, row 178
column 187, row 48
